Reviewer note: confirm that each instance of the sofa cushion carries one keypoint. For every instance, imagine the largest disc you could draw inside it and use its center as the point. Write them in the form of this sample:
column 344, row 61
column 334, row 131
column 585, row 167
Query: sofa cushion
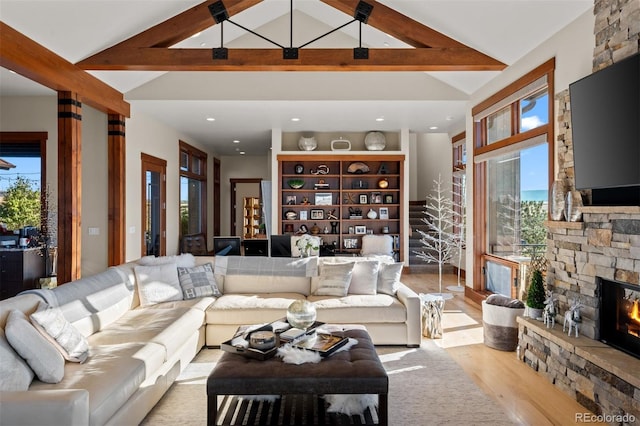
column 334, row 279
column 42, row 357
column 198, row 281
column 158, row 283
column 361, row 309
column 184, row 260
column 250, row 309
column 364, row 279
column 389, row 278
column 111, row 375
column 15, row 374
column 50, row 322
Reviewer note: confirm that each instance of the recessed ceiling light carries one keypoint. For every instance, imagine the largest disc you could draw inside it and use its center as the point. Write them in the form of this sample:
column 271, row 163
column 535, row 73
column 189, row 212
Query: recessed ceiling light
column 196, row 34
column 242, row 152
column 433, row 128
column 211, row 119
column 380, row 119
column 386, row 44
column 295, row 119
column 203, row 44
column 449, row 117
column 236, row 141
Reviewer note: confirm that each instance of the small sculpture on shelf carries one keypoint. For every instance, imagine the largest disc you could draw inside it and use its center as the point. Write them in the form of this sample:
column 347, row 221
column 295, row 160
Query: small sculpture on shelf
column 572, row 317
column 331, row 215
column 334, row 227
column 549, row 312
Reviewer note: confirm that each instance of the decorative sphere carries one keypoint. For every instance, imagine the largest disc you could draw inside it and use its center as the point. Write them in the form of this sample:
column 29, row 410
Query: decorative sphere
column 375, row 141
column 307, row 144
column 301, row 314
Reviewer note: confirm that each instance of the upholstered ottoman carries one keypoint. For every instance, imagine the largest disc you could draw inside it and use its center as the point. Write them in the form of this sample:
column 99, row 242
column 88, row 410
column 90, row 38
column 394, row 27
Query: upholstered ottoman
column 500, row 328
column 354, row 371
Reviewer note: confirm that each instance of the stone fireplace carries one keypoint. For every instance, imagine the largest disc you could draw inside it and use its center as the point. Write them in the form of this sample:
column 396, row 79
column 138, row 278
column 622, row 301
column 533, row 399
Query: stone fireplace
column 620, row 316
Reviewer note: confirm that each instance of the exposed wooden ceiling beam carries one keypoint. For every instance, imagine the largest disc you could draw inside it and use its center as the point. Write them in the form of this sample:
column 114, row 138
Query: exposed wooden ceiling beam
column 150, row 50
column 427, row 59
column 397, row 25
column 35, row 62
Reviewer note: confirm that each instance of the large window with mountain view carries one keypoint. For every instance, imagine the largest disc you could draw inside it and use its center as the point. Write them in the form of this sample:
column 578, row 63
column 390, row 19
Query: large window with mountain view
column 193, row 190
column 513, row 146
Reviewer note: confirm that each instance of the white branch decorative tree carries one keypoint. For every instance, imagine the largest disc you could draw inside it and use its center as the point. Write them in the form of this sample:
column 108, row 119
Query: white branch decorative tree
column 459, row 205
column 440, row 242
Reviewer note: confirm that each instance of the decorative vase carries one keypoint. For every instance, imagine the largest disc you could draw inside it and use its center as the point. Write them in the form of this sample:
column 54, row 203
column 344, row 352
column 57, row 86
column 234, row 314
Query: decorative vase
column 372, row 214
column 375, row 141
column 558, row 194
column 534, row 313
column 383, row 183
column 299, row 169
column 307, row 144
column 315, row 229
column 301, row 314
column 573, row 206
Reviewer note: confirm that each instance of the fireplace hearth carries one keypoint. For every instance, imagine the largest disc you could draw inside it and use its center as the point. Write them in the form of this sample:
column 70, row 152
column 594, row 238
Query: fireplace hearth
column 620, row 316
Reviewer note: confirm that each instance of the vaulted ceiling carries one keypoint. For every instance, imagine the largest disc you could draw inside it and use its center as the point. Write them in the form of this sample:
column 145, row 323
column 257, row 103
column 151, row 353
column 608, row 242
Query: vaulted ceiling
column 425, row 59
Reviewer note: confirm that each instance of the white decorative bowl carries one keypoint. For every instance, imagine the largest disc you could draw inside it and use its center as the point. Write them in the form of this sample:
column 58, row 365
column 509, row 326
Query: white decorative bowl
column 375, row 141
column 307, row 144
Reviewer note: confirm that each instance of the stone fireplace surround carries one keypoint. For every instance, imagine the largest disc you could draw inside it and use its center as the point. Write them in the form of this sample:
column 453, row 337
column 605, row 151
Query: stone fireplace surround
column 601, row 378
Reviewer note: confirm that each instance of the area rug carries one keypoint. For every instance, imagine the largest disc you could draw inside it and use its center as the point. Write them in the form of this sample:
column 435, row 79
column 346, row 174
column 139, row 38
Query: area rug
column 426, row 387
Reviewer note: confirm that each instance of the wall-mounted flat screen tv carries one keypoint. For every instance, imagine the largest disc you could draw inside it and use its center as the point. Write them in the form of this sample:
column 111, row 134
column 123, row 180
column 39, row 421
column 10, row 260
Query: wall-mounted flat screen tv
column 605, row 123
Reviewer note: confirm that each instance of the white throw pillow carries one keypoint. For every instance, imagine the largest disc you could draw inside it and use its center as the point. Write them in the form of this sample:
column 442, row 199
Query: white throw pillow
column 157, row 284
column 334, row 279
column 389, row 278
column 184, row 260
column 198, row 281
column 43, row 358
column 377, row 244
column 15, row 374
column 54, row 327
column 364, row 279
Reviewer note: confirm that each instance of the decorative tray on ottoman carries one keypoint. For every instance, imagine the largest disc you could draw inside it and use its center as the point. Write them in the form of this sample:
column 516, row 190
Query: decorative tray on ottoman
column 238, row 344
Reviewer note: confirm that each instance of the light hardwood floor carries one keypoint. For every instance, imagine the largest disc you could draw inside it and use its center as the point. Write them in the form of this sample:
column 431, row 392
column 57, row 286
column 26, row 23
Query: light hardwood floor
column 526, row 397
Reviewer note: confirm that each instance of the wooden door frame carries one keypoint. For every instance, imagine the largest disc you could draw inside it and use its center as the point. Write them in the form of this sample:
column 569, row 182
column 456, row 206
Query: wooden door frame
column 233, row 183
column 146, row 161
column 216, row 196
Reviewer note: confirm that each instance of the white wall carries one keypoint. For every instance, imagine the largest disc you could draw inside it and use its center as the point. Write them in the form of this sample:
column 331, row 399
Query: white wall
column 432, row 159
column 572, row 48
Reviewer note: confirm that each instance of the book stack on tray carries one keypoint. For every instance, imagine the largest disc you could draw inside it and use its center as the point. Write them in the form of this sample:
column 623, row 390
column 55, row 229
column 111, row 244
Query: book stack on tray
column 323, row 343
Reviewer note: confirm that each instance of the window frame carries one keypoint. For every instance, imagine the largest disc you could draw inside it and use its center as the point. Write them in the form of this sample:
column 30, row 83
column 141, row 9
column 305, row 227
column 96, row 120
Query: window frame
column 193, row 153
column 481, row 147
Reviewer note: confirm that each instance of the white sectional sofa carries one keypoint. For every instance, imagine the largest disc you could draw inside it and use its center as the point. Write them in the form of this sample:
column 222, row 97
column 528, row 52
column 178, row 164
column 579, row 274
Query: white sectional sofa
column 138, row 343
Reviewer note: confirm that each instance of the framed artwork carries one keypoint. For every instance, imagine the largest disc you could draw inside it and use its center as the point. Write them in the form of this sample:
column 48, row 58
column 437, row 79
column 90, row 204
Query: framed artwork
column 376, row 198
column 350, row 243
column 317, row 214
column 291, row 200
column 351, row 229
column 369, row 231
column 364, row 199
column 388, row 199
column 361, row 230
column 303, row 214
column 384, row 213
column 323, row 199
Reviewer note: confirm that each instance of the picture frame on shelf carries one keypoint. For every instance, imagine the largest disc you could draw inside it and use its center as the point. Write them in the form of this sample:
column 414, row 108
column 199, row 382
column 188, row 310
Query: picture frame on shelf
column 323, row 199
column 317, row 214
column 383, row 213
column 303, row 215
column 364, row 199
column 369, row 231
column 361, row 229
column 388, row 199
column 292, row 200
column 376, row 198
column 351, row 229
column 350, row 243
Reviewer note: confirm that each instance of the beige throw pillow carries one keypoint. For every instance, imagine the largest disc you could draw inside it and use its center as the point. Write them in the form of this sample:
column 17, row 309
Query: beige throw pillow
column 158, row 283
column 389, row 278
column 364, row 279
column 334, row 279
column 42, row 357
column 54, row 327
column 15, row 374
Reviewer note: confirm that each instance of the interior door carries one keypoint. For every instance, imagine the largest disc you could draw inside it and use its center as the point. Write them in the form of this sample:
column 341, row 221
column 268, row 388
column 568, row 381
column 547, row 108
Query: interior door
column 154, row 206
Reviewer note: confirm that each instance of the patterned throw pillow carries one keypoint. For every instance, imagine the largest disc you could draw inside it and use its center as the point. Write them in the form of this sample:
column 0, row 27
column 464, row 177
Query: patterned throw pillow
column 54, row 327
column 198, row 281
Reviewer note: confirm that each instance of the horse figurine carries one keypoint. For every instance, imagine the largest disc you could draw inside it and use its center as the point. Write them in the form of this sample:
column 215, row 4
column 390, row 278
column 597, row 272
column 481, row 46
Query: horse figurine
column 573, row 317
column 549, row 312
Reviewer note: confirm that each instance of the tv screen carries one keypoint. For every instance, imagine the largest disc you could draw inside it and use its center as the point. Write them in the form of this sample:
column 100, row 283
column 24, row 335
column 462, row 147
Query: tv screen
column 605, row 122
column 226, row 246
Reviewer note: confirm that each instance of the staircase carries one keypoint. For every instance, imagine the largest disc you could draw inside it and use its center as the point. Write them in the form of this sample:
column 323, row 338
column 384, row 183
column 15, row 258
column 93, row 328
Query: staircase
column 417, row 265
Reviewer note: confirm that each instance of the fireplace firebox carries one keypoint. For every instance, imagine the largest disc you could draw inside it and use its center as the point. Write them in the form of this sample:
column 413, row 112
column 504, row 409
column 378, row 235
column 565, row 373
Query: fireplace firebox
column 620, row 316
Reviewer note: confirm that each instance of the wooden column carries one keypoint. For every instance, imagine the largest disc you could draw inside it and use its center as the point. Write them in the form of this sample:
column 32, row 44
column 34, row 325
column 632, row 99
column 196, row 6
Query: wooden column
column 116, row 188
column 69, row 186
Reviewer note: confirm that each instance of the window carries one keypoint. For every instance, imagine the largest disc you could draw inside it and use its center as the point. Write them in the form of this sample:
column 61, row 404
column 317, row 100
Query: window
column 193, row 190
column 513, row 164
column 22, row 179
column 459, row 186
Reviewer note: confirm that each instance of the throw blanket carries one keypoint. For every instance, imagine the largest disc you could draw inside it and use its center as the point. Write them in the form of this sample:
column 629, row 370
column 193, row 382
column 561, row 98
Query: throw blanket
column 267, row 266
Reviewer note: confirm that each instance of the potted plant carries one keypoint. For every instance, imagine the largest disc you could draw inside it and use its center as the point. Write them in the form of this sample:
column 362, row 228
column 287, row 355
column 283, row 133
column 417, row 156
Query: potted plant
column 306, row 244
column 536, row 295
